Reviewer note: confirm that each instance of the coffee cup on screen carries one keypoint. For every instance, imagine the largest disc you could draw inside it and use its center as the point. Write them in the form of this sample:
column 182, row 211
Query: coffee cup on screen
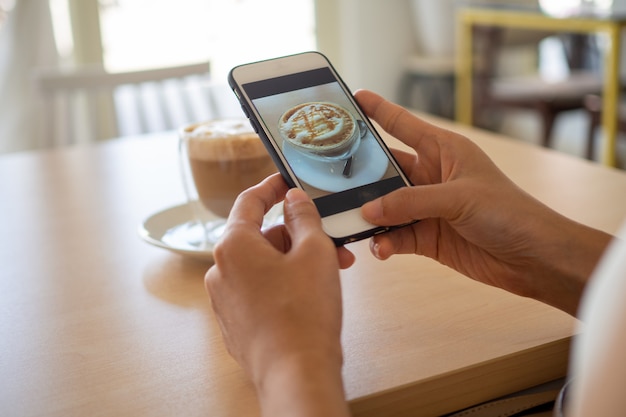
column 220, row 159
column 320, row 129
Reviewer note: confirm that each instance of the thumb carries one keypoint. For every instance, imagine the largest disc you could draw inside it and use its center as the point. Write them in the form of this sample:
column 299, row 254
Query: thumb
column 415, row 203
column 301, row 216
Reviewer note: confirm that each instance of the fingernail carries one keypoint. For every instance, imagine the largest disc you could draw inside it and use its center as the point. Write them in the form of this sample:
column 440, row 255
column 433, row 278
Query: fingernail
column 375, row 248
column 372, row 210
column 296, row 194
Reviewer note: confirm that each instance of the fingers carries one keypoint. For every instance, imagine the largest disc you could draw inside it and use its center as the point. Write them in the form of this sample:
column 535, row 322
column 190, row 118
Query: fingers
column 304, row 225
column 345, row 257
column 302, row 220
column 414, row 239
column 301, row 216
column 416, row 203
column 255, row 202
column 279, row 238
column 394, row 119
column 246, row 219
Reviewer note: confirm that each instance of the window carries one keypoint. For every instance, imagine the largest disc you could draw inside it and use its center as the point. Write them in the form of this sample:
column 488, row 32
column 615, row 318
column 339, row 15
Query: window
column 156, row 33
column 144, row 34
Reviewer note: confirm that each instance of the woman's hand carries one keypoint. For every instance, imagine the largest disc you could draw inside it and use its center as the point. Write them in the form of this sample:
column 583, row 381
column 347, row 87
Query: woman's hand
column 474, row 219
column 277, row 297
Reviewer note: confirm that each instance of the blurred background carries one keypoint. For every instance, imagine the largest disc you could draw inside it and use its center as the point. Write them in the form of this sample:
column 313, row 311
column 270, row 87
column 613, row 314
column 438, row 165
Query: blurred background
column 156, row 64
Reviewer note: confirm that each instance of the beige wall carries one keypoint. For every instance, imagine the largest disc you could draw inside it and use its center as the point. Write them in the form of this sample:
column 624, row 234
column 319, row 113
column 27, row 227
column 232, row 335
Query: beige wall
column 367, row 40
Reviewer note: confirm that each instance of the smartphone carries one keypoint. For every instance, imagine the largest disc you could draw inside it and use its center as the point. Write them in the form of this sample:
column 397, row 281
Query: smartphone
column 319, row 138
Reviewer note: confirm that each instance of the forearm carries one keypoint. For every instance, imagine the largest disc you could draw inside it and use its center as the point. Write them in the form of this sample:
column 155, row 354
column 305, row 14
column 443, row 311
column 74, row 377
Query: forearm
column 303, row 386
column 572, row 251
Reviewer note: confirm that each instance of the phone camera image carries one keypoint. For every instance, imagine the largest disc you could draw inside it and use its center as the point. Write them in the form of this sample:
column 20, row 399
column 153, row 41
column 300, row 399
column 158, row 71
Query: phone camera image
column 324, row 139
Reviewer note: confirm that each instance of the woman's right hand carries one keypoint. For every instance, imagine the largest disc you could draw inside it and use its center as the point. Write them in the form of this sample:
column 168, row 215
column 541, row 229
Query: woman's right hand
column 474, row 219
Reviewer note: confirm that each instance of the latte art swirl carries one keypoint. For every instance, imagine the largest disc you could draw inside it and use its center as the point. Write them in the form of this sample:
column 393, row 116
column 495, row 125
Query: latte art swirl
column 320, row 127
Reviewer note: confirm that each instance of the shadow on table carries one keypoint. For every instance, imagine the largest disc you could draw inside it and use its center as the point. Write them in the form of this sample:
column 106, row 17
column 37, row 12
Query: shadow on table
column 177, row 280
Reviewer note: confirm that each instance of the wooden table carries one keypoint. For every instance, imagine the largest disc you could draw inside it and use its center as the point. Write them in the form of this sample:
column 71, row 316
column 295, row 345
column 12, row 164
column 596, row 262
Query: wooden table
column 95, row 322
column 526, row 18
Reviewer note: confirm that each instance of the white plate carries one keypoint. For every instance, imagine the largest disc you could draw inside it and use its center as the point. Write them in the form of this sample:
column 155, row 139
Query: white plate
column 176, row 230
column 369, row 164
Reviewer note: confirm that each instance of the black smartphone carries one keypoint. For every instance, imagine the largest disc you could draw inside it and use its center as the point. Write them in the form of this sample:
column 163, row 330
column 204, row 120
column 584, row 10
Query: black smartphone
column 319, row 138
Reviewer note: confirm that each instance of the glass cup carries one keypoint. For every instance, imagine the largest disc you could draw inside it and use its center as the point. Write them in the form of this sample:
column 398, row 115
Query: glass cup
column 219, row 159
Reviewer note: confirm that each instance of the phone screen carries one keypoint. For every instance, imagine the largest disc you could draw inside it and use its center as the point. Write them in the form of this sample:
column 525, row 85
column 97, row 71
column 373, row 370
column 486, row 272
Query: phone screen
column 331, row 150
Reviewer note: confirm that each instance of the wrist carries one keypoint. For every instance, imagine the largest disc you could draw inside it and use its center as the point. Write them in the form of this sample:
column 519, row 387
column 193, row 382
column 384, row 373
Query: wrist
column 302, row 384
column 571, row 259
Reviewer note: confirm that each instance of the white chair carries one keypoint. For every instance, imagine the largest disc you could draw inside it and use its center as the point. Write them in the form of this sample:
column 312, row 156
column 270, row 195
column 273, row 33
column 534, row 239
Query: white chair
column 429, row 73
column 90, row 103
column 427, row 81
column 428, row 84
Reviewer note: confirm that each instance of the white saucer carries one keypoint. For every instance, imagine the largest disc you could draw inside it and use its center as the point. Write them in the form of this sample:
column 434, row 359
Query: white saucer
column 175, row 230
column 369, row 164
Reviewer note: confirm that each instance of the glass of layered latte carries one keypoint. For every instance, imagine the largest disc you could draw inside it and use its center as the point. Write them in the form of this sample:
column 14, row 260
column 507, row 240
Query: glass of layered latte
column 220, row 159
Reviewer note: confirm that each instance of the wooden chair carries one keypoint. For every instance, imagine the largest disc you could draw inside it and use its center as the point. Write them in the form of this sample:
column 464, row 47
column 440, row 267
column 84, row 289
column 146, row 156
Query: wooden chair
column 90, row 103
column 547, row 98
column 593, row 107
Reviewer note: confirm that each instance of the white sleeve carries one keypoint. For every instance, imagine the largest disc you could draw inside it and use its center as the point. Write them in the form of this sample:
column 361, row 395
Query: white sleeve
column 598, row 363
